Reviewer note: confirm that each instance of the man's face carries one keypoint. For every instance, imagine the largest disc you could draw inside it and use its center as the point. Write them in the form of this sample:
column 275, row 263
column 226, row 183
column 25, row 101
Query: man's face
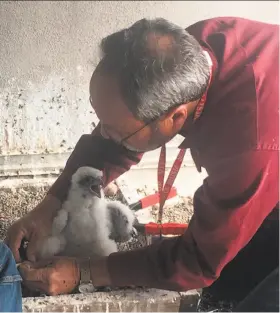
column 118, row 123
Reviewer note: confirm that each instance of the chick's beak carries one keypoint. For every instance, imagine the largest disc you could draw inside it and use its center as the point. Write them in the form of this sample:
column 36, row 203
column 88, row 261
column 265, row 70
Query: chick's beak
column 96, row 190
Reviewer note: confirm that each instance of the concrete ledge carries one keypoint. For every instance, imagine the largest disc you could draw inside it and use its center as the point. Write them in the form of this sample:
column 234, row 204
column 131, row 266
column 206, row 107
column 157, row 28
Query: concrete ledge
column 139, row 300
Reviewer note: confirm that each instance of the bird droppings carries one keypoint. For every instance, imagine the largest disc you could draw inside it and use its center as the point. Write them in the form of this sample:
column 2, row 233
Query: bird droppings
column 37, row 105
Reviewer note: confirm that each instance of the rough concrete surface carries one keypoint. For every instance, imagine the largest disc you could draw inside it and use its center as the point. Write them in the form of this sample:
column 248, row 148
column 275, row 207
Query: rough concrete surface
column 116, row 301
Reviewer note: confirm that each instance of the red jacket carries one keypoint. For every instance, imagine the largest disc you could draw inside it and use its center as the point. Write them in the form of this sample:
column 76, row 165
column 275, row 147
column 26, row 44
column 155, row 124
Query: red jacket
column 235, row 139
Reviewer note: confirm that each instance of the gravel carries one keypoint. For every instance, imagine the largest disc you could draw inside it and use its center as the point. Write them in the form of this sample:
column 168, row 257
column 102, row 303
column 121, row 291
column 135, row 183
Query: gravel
column 14, row 203
column 179, row 211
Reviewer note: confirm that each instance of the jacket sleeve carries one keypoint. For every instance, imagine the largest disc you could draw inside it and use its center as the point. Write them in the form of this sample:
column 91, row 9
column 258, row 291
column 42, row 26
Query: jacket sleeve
column 229, row 208
column 93, row 150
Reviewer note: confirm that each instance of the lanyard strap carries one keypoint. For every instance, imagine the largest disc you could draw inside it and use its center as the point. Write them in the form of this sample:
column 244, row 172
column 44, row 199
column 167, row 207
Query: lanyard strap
column 164, row 190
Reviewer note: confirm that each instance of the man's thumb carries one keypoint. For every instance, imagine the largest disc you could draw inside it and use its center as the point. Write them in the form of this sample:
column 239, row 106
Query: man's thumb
column 24, row 267
column 29, row 272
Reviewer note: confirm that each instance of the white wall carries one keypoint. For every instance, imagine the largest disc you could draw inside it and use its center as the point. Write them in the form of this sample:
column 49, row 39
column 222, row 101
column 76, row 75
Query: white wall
column 48, row 51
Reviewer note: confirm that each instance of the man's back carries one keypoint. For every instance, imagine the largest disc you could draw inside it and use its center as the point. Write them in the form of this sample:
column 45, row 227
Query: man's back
column 244, row 95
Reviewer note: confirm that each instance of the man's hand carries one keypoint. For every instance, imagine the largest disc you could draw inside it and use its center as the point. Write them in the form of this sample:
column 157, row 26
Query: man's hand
column 60, row 275
column 32, row 227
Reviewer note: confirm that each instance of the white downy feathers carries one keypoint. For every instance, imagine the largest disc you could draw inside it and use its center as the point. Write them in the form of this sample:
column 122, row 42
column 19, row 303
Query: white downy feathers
column 88, row 225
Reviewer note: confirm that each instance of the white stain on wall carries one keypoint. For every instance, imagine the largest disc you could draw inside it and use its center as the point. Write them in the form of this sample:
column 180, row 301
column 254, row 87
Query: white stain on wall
column 43, row 118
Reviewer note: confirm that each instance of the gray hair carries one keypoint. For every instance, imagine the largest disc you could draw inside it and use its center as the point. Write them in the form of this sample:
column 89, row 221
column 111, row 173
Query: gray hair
column 158, row 65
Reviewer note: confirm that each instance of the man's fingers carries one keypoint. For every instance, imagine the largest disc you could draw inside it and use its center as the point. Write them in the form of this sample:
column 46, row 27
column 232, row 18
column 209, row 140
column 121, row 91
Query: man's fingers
column 30, row 273
column 36, row 276
column 13, row 242
column 42, row 264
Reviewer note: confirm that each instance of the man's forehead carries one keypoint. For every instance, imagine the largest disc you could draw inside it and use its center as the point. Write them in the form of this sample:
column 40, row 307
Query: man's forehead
column 105, row 94
column 107, row 101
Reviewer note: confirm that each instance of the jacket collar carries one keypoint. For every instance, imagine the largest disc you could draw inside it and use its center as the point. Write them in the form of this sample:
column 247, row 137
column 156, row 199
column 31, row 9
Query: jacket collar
column 188, row 126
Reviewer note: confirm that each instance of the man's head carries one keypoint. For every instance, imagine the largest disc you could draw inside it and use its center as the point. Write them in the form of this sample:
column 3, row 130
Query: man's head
column 147, row 83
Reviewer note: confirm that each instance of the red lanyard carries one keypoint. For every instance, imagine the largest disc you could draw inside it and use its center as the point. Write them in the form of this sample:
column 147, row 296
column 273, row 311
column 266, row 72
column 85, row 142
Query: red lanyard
column 164, row 189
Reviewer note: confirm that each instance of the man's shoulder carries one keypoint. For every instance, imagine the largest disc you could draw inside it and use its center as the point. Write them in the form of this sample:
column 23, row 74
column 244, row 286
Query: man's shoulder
column 205, row 28
column 242, row 104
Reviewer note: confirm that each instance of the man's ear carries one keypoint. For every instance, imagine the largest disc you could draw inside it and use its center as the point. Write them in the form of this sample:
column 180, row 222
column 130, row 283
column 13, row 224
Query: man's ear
column 179, row 116
column 173, row 121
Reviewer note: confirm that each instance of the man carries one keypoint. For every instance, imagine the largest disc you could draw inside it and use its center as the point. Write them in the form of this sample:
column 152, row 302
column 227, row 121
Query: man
column 150, row 85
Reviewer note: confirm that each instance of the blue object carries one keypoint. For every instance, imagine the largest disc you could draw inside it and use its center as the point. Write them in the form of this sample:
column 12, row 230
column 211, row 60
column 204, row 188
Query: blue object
column 10, row 282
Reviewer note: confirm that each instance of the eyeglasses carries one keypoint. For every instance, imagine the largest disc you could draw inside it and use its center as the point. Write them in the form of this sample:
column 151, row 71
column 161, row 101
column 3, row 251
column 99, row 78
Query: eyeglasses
column 121, row 142
column 137, row 131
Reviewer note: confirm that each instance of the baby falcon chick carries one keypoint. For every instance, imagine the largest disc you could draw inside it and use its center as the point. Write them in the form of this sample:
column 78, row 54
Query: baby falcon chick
column 88, row 225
